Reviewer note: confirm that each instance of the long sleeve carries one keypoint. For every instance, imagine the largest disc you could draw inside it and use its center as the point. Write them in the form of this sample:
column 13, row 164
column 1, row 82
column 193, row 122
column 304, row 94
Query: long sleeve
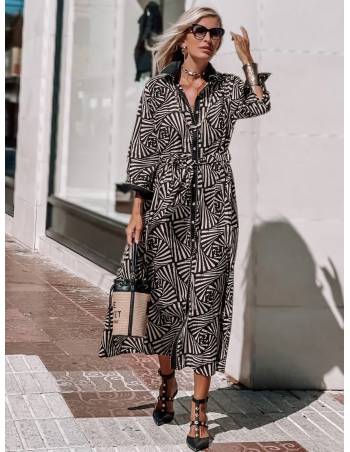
column 245, row 103
column 143, row 155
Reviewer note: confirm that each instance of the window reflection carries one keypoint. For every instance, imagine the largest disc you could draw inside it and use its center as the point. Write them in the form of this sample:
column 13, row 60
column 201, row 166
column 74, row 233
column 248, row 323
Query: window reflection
column 105, row 63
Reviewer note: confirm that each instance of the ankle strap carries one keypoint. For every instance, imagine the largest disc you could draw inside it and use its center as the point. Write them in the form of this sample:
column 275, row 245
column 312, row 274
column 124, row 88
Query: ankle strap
column 166, row 376
column 200, row 400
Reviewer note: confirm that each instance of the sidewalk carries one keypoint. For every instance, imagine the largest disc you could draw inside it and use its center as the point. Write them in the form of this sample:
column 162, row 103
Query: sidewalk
column 60, row 396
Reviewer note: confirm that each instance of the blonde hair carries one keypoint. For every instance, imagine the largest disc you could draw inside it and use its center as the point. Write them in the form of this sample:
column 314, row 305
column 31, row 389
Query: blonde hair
column 165, row 47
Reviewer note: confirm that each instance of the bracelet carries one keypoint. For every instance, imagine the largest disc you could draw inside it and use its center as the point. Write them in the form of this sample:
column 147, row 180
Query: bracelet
column 251, row 73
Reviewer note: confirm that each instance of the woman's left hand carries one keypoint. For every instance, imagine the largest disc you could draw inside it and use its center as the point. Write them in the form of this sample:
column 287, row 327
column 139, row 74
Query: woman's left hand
column 242, row 46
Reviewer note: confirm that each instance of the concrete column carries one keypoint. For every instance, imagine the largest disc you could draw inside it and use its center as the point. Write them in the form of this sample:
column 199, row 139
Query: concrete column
column 34, row 123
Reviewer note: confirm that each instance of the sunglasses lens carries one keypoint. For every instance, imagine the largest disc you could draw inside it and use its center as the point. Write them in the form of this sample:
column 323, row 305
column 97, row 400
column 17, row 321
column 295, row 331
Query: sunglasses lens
column 200, row 31
column 216, row 33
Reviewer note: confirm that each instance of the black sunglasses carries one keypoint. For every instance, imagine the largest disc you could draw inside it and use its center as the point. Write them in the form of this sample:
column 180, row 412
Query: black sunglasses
column 199, row 31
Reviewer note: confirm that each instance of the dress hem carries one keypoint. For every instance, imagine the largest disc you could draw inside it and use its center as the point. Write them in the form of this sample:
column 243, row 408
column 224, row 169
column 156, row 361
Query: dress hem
column 182, row 361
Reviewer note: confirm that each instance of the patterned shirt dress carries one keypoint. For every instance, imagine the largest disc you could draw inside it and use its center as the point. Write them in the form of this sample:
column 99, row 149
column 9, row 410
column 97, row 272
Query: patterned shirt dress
column 179, row 162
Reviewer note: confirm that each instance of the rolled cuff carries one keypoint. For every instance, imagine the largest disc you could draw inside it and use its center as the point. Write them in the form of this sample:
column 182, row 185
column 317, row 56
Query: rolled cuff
column 140, row 190
column 262, row 77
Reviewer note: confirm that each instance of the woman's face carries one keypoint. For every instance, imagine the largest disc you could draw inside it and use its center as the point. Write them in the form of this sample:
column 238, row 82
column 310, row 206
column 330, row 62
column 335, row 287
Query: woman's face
column 205, row 48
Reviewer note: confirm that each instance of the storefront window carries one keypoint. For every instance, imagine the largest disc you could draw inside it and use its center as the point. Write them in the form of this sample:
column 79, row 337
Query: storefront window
column 13, row 48
column 100, row 71
column 103, row 71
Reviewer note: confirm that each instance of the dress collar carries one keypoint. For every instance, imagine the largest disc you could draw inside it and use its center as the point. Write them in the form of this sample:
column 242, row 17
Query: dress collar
column 174, row 67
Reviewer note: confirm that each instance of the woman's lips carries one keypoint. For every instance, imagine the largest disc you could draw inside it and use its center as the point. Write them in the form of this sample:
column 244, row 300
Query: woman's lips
column 206, row 49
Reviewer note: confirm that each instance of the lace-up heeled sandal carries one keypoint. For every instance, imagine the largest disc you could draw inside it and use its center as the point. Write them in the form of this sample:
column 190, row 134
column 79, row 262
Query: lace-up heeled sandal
column 197, row 443
column 162, row 416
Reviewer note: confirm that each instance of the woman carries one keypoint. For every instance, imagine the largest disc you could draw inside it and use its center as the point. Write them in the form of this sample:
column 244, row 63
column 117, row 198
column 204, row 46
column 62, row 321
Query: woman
column 185, row 211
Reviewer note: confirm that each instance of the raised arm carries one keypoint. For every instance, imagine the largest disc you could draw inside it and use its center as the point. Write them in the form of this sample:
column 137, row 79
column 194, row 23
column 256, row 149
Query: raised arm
column 250, row 97
column 248, row 101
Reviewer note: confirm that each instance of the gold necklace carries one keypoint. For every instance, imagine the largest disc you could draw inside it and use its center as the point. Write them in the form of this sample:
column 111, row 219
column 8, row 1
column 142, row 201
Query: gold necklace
column 191, row 73
column 197, row 89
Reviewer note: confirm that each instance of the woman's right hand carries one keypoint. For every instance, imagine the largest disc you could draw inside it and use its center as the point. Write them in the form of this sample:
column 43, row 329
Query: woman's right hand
column 134, row 228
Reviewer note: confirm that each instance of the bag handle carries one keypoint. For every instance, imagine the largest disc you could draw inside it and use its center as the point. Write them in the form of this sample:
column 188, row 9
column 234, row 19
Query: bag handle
column 134, row 250
column 133, row 261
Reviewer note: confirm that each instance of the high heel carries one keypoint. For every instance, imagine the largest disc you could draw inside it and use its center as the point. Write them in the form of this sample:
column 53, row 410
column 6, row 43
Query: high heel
column 196, row 443
column 162, row 416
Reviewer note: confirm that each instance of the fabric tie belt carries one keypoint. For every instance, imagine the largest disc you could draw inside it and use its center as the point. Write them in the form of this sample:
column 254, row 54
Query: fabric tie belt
column 189, row 160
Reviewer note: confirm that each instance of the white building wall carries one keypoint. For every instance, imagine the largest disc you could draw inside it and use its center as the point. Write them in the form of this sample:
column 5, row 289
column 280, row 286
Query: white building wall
column 288, row 314
column 287, row 327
